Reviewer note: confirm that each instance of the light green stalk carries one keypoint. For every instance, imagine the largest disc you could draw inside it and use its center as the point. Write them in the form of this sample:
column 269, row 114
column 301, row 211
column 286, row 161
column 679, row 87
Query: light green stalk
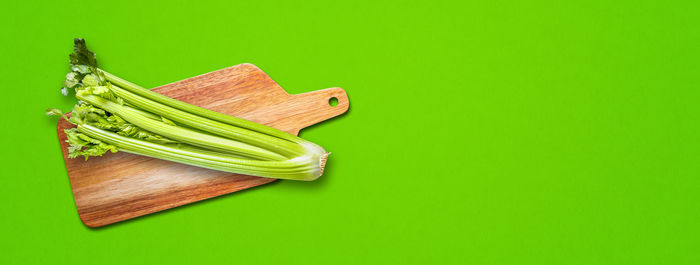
column 235, row 121
column 282, row 146
column 301, row 168
column 180, row 133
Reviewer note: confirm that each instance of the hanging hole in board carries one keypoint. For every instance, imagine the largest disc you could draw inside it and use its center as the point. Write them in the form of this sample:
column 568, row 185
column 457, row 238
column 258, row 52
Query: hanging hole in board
column 333, row 102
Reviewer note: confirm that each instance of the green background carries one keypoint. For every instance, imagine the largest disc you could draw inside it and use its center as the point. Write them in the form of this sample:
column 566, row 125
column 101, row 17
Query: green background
column 479, row 132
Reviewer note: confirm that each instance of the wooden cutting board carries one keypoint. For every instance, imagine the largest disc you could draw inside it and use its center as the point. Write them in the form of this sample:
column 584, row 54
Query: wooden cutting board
column 122, row 186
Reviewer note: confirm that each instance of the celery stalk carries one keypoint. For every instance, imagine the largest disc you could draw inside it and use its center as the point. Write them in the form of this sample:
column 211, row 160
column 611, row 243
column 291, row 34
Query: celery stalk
column 243, row 123
column 282, row 146
column 180, row 133
column 302, row 168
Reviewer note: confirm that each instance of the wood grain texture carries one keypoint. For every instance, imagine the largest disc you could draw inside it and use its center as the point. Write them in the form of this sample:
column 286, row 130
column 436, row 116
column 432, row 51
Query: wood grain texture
column 121, row 186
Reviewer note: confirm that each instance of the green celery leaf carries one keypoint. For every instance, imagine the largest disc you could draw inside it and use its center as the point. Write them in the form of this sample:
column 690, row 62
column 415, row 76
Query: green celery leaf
column 82, row 56
column 90, row 80
column 72, row 79
column 81, row 144
column 54, row 112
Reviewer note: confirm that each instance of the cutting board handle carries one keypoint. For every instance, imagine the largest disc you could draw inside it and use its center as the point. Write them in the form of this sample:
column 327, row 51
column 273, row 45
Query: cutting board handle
column 315, row 106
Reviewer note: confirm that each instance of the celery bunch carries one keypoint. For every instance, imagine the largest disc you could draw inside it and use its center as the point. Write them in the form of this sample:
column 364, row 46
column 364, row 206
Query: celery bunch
column 113, row 115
